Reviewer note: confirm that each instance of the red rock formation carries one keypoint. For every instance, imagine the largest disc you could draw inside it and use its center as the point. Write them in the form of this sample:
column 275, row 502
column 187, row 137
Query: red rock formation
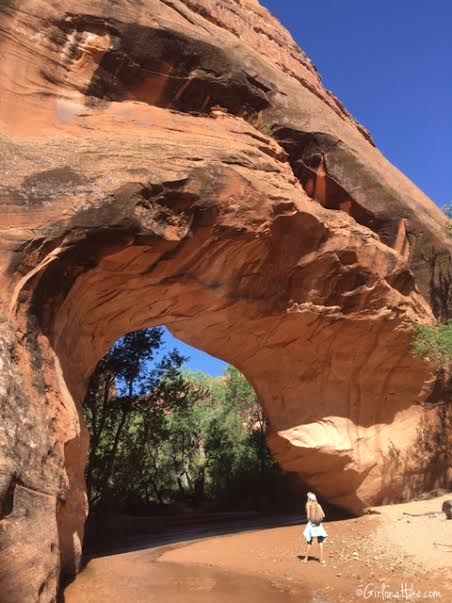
column 270, row 232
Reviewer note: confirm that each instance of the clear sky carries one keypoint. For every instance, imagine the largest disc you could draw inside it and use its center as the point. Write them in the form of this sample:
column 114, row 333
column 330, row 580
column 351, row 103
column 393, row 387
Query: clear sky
column 390, row 63
column 198, row 361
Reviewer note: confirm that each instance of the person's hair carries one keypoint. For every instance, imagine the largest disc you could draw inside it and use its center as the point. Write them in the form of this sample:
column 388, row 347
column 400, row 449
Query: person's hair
column 315, row 504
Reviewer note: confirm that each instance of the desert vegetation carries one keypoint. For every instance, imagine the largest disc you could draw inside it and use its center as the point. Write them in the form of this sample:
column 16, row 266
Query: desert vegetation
column 435, row 342
column 162, row 434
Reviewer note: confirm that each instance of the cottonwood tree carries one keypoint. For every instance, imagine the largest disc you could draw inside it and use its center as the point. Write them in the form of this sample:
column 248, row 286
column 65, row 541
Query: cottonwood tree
column 128, row 395
column 161, row 434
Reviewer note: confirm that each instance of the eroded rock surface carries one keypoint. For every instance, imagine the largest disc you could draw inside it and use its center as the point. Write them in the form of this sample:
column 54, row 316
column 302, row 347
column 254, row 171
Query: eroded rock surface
column 179, row 162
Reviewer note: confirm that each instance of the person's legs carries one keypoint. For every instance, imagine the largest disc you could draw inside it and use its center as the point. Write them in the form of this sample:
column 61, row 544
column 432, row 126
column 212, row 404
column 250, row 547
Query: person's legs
column 308, row 547
column 320, row 541
column 322, row 561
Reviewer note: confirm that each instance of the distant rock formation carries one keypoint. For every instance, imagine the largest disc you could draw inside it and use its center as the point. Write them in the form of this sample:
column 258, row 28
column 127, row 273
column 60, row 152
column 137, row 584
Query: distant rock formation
column 276, row 237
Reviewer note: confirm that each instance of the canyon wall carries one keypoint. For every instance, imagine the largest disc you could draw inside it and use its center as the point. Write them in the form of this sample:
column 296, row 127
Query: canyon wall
column 179, row 162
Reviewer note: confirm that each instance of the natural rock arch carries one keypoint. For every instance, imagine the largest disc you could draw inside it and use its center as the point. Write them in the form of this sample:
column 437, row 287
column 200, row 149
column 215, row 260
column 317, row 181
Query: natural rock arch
column 270, row 233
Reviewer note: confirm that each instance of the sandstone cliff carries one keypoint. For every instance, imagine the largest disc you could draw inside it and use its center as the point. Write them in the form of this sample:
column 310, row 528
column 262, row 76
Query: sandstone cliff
column 179, row 162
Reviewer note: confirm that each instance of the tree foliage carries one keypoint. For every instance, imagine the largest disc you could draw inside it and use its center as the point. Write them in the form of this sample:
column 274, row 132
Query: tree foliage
column 448, row 211
column 162, row 434
column 435, row 342
column 128, row 398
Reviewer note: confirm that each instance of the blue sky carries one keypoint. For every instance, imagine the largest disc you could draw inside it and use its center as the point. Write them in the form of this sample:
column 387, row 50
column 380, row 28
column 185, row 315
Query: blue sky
column 198, row 361
column 390, row 63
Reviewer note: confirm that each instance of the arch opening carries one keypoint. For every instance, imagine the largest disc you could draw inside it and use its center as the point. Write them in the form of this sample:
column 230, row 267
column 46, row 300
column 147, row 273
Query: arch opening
column 170, row 445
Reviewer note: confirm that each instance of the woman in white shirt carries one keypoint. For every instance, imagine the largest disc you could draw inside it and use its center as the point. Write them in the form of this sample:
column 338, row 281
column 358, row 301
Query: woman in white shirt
column 314, row 527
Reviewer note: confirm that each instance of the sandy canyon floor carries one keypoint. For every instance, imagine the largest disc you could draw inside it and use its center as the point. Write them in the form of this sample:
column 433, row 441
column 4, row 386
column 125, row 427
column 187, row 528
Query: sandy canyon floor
column 399, row 552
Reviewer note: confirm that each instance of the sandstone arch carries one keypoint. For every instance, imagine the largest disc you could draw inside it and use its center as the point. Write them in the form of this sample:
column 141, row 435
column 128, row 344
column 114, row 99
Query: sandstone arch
column 268, row 234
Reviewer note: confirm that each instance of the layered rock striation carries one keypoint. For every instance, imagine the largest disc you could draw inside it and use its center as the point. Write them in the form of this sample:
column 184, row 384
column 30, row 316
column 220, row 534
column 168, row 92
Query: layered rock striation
column 179, row 162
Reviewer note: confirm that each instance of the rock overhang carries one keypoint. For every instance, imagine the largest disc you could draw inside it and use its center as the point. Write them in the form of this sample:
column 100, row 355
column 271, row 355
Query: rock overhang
column 231, row 197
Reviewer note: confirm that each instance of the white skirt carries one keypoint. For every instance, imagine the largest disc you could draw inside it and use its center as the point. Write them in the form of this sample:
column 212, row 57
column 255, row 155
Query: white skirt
column 311, row 531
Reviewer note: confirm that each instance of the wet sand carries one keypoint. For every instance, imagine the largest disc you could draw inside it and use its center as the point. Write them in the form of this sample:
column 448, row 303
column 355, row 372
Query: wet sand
column 139, row 578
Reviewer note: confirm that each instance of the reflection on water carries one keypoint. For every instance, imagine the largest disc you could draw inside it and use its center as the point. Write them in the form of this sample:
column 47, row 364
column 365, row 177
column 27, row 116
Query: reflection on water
column 138, row 577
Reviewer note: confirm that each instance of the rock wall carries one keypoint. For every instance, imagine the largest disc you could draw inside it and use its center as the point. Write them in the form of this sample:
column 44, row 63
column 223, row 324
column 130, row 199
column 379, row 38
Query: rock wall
column 179, row 162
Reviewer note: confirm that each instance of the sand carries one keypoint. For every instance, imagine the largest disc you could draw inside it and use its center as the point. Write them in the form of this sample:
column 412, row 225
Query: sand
column 397, row 552
column 378, row 556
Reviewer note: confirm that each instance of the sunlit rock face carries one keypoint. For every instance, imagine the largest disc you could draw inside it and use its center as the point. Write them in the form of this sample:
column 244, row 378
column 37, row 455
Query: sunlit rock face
column 179, row 162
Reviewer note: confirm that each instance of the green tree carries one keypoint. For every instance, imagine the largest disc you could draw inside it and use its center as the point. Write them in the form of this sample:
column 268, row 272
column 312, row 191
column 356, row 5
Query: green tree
column 448, row 211
column 121, row 368
column 160, row 433
column 435, row 342
column 241, row 470
column 127, row 400
column 242, row 396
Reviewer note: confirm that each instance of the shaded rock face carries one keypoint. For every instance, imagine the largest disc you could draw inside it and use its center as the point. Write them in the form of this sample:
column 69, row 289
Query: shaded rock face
column 179, row 162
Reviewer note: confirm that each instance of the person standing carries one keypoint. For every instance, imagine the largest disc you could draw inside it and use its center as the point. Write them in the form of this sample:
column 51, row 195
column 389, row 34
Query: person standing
column 314, row 527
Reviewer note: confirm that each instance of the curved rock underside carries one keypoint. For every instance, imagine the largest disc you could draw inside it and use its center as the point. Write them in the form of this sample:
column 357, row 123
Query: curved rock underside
column 179, row 162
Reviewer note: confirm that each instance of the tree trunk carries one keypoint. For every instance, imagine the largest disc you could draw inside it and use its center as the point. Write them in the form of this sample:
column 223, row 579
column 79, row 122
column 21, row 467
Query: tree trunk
column 95, row 438
column 112, row 457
